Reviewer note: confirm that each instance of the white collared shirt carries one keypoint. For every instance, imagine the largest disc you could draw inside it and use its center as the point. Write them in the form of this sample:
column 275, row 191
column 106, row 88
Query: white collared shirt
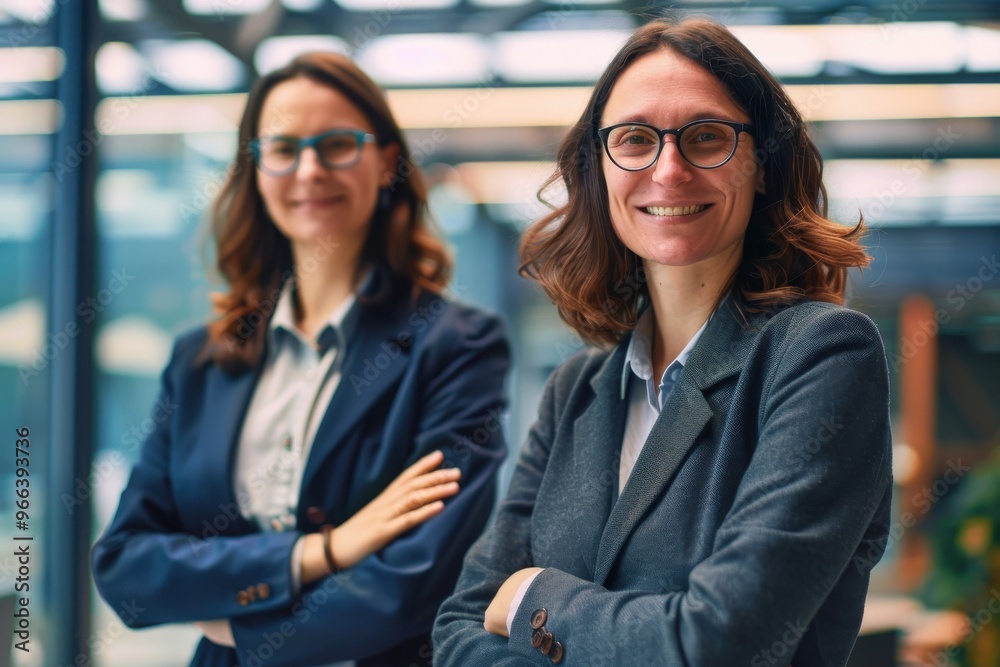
column 296, row 383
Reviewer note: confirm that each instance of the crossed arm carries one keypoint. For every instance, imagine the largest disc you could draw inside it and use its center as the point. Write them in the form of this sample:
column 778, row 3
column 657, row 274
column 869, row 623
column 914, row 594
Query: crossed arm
column 397, row 562
column 782, row 549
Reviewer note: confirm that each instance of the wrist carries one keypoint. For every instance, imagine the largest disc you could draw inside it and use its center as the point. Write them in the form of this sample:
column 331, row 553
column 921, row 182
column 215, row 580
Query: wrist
column 313, row 564
column 327, row 532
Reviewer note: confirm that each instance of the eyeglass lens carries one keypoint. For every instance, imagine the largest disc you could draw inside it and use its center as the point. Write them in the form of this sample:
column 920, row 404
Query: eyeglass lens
column 702, row 144
column 335, row 150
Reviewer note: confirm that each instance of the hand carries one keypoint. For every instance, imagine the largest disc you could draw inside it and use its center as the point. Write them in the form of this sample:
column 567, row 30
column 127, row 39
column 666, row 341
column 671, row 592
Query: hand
column 218, row 632
column 409, row 500
column 496, row 613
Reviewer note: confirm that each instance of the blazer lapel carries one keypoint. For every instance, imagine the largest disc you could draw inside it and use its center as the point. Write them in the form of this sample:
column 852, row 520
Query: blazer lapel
column 720, row 353
column 226, row 400
column 368, row 371
column 597, row 437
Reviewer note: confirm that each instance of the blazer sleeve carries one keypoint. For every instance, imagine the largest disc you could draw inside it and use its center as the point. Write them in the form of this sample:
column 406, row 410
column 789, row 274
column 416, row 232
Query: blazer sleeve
column 393, row 594
column 147, row 561
column 459, row 636
column 787, row 541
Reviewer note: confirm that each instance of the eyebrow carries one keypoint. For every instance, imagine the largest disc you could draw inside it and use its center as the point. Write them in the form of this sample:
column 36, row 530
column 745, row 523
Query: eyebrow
column 643, row 119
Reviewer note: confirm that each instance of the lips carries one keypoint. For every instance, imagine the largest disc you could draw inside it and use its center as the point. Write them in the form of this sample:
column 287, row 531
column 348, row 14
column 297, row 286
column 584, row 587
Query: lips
column 318, row 201
column 672, row 211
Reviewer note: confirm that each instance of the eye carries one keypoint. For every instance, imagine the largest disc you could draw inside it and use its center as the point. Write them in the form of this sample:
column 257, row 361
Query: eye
column 339, row 142
column 281, row 147
column 705, row 135
column 633, row 135
column 637, row 138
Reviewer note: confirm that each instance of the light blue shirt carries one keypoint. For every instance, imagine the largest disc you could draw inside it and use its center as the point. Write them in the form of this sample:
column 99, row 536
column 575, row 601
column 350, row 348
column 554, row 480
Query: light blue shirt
column 645, row 399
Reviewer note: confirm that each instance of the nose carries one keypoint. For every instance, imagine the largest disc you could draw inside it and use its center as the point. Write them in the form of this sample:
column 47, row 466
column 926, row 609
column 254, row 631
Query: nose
column 309, row 165
column 670, row 168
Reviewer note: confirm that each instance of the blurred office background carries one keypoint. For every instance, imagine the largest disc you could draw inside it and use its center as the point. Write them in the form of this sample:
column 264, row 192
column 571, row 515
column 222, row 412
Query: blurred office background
column 903, row 97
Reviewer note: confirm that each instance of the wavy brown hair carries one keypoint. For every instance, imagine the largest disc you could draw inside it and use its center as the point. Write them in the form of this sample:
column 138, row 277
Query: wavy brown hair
column 792, row 251
column 255, row 259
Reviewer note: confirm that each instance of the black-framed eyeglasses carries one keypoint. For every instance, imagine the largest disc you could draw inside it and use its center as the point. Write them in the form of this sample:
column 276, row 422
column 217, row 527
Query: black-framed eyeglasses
column 336, row 149
column 706, row 144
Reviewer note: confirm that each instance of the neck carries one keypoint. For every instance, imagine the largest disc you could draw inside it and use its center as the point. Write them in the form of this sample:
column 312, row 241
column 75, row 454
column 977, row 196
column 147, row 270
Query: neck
column 321, row 285
column 682, row 298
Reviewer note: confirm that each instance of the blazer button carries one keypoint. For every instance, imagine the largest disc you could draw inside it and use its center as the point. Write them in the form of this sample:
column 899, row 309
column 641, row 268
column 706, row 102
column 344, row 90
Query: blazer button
column 546, row 642
column 251, row 594
column 536, row 638
column 243, row 598
column 539, row 618
column 556, row 652
column 315, row 515
column 263, row 591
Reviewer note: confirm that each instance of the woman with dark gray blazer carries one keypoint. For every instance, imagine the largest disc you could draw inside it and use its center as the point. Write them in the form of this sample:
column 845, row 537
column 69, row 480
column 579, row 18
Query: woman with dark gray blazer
column 712, row 487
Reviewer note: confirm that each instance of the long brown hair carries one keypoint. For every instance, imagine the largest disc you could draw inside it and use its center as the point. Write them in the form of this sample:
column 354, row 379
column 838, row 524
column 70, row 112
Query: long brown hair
column 791, row 250
column 255, row 258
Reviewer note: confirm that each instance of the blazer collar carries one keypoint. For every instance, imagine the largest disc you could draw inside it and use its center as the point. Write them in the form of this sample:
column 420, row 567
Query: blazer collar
column 720, row 353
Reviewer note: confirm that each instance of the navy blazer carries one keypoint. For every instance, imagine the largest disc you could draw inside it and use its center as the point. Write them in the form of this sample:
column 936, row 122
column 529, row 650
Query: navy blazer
column 746, row 532
column 417, row 376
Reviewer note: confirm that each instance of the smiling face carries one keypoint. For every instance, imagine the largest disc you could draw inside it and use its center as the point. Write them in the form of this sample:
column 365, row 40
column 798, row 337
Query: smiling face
column 313, row 204
column 673, row 213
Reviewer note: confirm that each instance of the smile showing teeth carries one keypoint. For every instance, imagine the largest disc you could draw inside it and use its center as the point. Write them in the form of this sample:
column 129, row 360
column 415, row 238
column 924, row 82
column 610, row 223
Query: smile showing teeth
column 676, row 210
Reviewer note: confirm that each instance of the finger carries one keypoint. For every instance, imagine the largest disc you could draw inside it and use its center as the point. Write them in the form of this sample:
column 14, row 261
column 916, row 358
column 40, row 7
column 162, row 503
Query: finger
column 406, row 521
column 421, row 497
column 423, row 465
column 435, row 477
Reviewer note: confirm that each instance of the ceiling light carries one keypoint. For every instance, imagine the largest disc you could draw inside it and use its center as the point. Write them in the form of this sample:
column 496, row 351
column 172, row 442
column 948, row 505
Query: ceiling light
column 555, row 55
column 276, row 52
column 427, row 59
column 194, row 65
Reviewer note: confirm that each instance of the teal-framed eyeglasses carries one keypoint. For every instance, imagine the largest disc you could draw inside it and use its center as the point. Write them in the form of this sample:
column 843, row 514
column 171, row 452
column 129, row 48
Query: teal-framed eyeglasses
column 335, row 149
column 705, row 144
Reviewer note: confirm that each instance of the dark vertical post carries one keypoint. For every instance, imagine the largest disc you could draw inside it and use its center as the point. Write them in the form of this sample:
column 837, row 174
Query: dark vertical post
column 73, row 239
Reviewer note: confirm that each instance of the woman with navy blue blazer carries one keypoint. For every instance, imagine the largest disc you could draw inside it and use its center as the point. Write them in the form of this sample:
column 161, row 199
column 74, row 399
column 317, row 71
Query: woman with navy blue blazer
column 711, row 488
column 330, row 443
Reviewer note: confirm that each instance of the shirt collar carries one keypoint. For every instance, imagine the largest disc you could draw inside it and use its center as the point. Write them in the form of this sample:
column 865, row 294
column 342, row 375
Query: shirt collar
column 639, row 358
column 336, row 330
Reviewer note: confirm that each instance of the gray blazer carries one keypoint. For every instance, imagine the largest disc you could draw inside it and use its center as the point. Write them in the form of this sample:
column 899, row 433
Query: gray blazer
column 747, row 530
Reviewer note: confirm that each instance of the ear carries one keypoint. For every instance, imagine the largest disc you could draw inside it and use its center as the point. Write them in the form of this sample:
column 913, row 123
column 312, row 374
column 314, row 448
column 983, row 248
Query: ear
column 390, row 164
column 760, row 187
